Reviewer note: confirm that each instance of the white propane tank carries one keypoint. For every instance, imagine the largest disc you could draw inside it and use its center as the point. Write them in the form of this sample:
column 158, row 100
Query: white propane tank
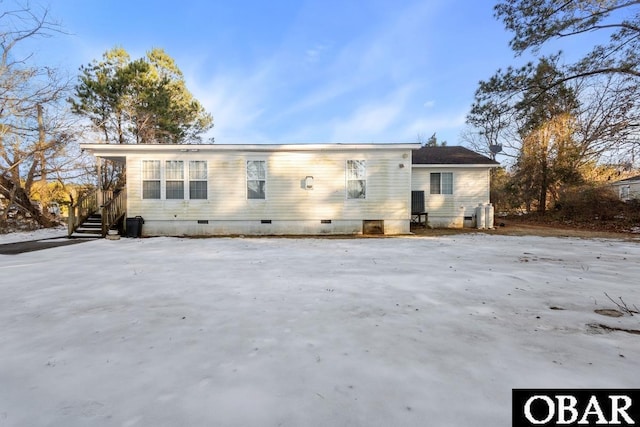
column 481, row 216
column 489, row 211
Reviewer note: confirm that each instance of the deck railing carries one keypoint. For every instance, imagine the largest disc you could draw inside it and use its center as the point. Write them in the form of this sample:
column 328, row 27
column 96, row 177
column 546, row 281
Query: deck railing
column 113, row 210
column 110, row 207
column 81, row 210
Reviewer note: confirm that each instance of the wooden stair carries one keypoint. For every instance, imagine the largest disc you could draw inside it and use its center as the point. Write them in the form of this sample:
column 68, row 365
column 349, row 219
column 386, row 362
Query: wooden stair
column 90, row 228
column 92, row 216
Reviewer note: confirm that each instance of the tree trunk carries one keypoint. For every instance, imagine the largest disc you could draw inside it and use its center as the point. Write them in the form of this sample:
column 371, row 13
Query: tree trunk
column 544, row 184
column 41, row 144
column 17, row 195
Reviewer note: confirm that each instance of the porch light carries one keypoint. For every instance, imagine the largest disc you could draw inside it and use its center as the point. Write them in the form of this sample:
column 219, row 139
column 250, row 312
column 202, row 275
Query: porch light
column 308, row 183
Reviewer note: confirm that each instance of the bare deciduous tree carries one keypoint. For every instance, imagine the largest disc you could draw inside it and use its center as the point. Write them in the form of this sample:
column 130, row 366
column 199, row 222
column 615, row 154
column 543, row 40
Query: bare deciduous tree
column 33, row 135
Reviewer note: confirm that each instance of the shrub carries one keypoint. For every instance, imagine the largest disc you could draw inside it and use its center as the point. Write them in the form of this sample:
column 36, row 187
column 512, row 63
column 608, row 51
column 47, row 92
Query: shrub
column 586, row 204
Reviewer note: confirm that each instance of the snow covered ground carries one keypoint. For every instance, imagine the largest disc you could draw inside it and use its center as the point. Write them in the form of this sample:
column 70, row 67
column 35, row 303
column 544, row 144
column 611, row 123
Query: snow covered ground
column 406, row 331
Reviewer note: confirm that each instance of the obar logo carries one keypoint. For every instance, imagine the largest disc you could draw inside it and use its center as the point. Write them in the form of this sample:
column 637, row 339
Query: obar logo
column 571, row 407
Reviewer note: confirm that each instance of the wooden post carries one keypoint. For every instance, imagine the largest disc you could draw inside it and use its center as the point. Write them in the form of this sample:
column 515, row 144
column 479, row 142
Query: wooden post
column 71, row 220
column 100, row 181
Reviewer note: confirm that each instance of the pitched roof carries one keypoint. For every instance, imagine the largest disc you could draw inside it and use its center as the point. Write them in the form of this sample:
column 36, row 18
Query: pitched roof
column 632, row 179
column 453, row 155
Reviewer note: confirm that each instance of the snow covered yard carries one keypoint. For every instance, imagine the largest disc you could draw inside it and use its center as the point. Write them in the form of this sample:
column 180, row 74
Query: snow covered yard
column 309, row 332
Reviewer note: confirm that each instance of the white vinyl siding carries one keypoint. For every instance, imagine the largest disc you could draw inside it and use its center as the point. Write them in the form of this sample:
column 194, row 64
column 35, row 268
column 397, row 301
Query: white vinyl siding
column 356, row 179
column 151, row 178
column 470, row 188
column 286, row 197
column 197, row 180
column 256, row 179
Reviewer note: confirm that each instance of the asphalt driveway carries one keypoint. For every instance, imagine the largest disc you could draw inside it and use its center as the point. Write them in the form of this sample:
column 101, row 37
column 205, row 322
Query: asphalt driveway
column 38, row 245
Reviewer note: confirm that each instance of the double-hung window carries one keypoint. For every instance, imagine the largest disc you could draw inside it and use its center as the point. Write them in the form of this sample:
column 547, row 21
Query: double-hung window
column 356, row 179
column 256, row 179
column 624, row 192
column 197, row 179
column 151, row 179
column 174, row 179
column 441, row 183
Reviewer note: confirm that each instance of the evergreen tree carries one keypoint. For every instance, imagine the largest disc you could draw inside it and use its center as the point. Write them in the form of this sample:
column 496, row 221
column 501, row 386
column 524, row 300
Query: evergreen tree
column 141, row 101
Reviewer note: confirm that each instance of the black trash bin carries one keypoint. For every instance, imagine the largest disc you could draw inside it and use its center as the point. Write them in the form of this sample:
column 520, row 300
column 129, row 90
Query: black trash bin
column 134, row 226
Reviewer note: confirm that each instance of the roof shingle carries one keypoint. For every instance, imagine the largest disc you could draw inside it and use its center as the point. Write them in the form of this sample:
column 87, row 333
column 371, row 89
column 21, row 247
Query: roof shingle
column 453, row 155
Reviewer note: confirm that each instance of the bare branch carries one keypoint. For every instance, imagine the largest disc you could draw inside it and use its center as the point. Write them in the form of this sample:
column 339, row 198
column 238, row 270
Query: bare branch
column 622, row 306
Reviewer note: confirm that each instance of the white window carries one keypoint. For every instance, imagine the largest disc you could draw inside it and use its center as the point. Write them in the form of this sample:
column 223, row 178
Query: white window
column 356, row 179
column 151, row 179
column 256, row 179
column 197, row 179
column 441, row 183
column 174, row 179
column 624, row 192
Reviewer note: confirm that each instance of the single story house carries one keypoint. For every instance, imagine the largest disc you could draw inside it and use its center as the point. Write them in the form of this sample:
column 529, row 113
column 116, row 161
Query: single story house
column 309, row 189
column 627, row 189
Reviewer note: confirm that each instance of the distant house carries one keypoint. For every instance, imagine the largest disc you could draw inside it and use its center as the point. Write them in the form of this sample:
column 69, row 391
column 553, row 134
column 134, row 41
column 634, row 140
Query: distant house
column 306, row 189
column 455, row 181
column 627, row 189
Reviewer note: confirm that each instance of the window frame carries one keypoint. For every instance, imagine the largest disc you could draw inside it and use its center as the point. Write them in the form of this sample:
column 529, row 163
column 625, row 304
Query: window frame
column 349, row 178
column 441, row 184
column 168, row 180
column 194, row 180
column 259, row 179
column 625, row 192
column 144, row 179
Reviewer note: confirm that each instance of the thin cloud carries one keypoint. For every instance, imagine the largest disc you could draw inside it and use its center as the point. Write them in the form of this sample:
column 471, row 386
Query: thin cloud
column 314, row 54
column 375, row 59
column 374, row 120
column 331, row 93
column 445, row 121
column 236, row 103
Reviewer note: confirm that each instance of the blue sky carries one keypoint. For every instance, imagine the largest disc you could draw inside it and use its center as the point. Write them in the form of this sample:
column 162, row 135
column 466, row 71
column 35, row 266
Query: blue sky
column 303, row 71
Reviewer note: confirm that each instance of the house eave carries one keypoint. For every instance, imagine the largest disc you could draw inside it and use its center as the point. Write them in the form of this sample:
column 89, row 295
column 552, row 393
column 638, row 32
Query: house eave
column 451, row 165
column 626, row 182
column 123, row 149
